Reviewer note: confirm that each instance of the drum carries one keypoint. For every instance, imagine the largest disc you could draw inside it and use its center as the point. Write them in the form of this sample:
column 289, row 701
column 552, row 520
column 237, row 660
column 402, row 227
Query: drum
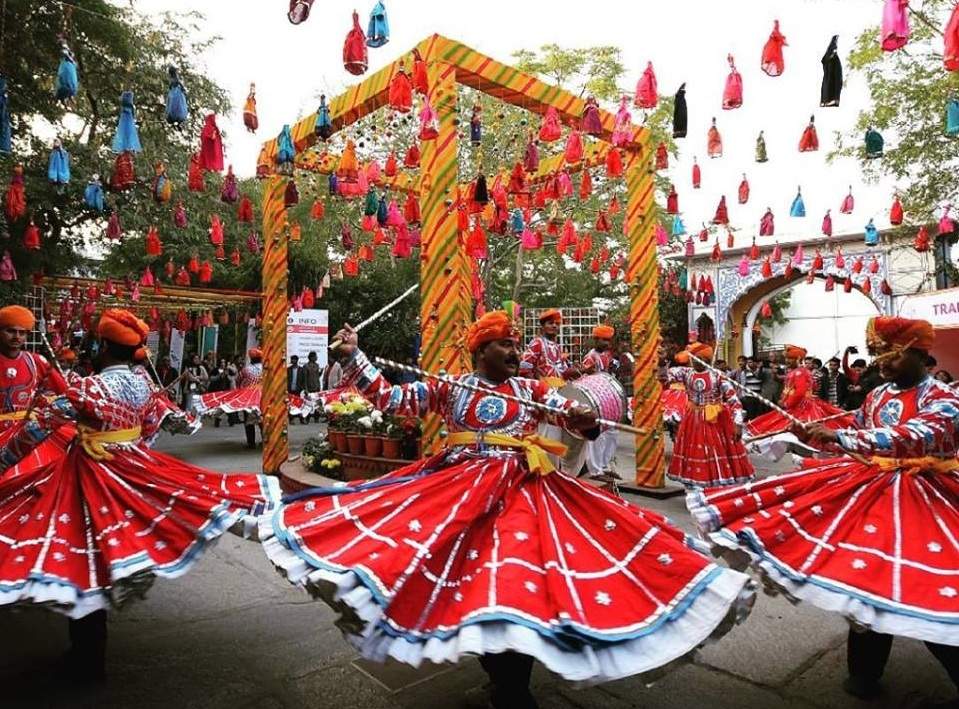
column 600, row 392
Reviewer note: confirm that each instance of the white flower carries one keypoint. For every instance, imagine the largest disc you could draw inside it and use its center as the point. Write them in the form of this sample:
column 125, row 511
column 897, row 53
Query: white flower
column 947, row 591
column 603, row 599
column 934, row 547
column 377, row 416
column 365, row 422
column 858, row 564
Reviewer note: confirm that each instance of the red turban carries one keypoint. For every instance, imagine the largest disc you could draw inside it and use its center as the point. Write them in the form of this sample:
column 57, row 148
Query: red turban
column 887, row 333
column 604, row 332
column 551, row 314
column 255, row 353
column 68, row 355
column 495, row 325
column 17, row 316
column 122, row 327
column 795, row 352
column 701, row 350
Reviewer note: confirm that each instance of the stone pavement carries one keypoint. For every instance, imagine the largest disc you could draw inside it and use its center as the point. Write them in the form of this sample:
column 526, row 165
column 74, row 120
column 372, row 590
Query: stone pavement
column 233, row 634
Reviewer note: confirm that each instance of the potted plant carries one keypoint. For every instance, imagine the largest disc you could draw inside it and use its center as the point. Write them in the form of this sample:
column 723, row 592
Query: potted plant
column 412, row 435
column 372, row 443
column 393, row 438
column 356, row 430
column 335, row 425
column 315, row 451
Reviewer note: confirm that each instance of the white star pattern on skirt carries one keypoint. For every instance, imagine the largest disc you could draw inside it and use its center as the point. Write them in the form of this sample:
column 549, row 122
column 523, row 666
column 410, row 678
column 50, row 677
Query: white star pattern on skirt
column 603, row 599
column 869, row 529
column 947, row 591
column 858, row 564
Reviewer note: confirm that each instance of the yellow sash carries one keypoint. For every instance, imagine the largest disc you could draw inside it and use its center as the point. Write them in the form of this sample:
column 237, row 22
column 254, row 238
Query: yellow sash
column 94, row 442
column 554, row 382
column 911, row 466
column 711, row 411
column 535, row 446
column 14, row 415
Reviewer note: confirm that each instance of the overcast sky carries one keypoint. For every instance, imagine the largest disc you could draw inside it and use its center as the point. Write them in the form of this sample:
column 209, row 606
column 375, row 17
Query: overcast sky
column 687, row 40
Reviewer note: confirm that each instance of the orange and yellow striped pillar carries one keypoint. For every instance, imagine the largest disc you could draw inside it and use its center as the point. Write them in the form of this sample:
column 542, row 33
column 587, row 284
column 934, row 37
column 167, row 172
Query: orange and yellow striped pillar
column 445, row 298
column 275, row 310
column 641, row 276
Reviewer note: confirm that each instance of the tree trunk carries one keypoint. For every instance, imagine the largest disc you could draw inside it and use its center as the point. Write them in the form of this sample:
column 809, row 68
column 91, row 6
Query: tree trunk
column 518, row 275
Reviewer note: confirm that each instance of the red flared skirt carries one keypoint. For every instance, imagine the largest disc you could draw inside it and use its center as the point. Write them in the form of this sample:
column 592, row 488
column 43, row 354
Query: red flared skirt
column 244, row 400
column 708, row 453
column 811, row 408
column 674, row 403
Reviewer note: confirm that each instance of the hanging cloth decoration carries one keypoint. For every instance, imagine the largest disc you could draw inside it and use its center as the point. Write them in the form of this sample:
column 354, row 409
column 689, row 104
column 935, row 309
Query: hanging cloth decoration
column 68, row 81
column 476, row 126
column 689, row 247
column 347, row 169
column 176, row 105
column 895, row 212
column 680, row 115
column 429, row 122
column 614, row 164
column 124, row 176
column 602, row 223
column 922, row 242
column 147, row 279
column 211, row 145
column 93, row 194
column 743, row 266
column 5, row 130
column 743, row 191
column 573, row 152
column 798, row 208
column 871, row 234
column 285, row 152
column 827, row 223
column 767, row 268
column 817, row 261
column 950, row 54
column 179, row 216
column 946, row 225
column 848, row 203
column 298, row 12
column 250, row 118
column 195, row 181
column 678, row 227
column 761, row 155
column 476, row 245
column 355, row 58
column 585, row 185
column 777, row 254
column 767, row 225
column 717, row 254
column 809, row 141
column 550, row 130
column 401, row 91
column 874, row 143
column 840, row 259
column 704, row 235
column 420, row 81
column 647, row 91
column 517, row 180
column 411, row 209
column 31, row 237
column 216, row 230
column 378, row 28
column 591, row 123
column 253, row 243
column 324, row 125
column 58, row 166
column 230, row 192
column 115, row 229
column 714, row 142
column 733, row 91
column 206, row 272
column 183, row 279
column 127, row 137
column 662, row 157
column 952, row 116
column 623, row 127
column 697, row 175
column 291, row 195
column 722, row 215
column 672, row 201
column 15, row 201
column 895, row 25
column 873, row 265
column 371, row 204
column 162, row 188
column 154, row 247
column 831, row 75
column 754, row 251
column 390, row 168
column 244, row 212
column 772, row 59
column 8, row 271
column 531, row 155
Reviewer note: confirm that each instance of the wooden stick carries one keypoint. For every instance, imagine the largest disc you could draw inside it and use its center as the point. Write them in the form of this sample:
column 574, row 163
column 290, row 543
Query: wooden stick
column 379, row 313
column 743, row 389
column 506, row 397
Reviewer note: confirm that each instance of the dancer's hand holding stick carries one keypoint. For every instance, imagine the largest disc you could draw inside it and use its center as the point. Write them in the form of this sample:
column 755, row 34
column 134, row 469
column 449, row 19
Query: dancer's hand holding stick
column 337, row 342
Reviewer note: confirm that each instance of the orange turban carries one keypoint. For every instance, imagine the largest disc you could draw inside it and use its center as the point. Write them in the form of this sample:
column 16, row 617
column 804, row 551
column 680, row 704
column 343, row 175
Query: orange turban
column 795, row 352
column 604, row 332
column 551, row 314
column 495, row 325
column 68, row 355
column 122, row 327
column 889, row 333
column 141, row 354
column 255, row 353
column 701, row 350
column 681, row 358
column 17, row 316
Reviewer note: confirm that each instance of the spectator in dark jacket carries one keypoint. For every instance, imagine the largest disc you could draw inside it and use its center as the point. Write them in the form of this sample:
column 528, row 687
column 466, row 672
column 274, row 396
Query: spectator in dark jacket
column 869, row 378
column 833, row 386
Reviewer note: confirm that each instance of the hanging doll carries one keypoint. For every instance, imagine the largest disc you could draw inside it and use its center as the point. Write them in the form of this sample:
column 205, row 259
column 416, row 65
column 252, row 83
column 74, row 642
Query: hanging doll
column 420, row 80
column 573, row 153
column 244, row 212
column 733, row 92
column 678, row 227
column 253, row 243
column 848, row 203
column 206, row 272
column 952, row 116
column 378, row 28
column 127, row 138
column 15, row 201
column 412, row 157
column 161, row 189
column 871, row 234
column 291, row 195
column 115, row 228
column 476, row 126
column 874, row 143
column 531, row 155
column 195, row 181
column 354, row 49
column 591, row 122
column 250, row 118
column 67, row 79
column 346, row 170
column 722, row 215
column 285, row 152
column 230, row 192
column 324, row 125
column 211, row 145
column 176, row 104
column 216, row 230
column 680, row 116
column 662, row 157
column 950, row 54
column 946, row 225
column 58, row 166
column 299, row 11
column 400, row 93
column 550, row 130
column 672, row 201
column 614, row 164
column 154, row 247
column 93, row 194
column 429, row 122
column 743, row 192
column 179, row 216
column 767, row 225
column 922, row 242
column 831, row 75
column 5, row 130
column 895, row 25
column 827, row 223
column 623, row 127
column 31, row 237
column 895, row 212
column 809, row 141
column 714, row 142
column 697, row 174
column 647, row 92
column 772, row 60
column 7, row 270
column 761, row 155
column 798, row 208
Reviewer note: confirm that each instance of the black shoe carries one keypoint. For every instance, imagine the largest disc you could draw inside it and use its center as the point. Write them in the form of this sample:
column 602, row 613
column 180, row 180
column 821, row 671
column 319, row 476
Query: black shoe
column 861, row 688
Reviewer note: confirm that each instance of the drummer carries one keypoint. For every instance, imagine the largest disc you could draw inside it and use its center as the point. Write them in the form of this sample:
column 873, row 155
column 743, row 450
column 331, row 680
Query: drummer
column 600, row 453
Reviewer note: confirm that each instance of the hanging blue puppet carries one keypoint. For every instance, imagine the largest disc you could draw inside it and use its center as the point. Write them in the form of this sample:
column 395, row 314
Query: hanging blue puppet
column 176, row 105
column 127, row 138
column 378, row 30
column 68, row 81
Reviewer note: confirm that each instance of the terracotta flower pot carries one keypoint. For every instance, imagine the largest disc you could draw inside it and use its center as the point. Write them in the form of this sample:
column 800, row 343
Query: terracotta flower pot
column 373, row 445
column 337, row 440
column 393, row 448
column 355, row 443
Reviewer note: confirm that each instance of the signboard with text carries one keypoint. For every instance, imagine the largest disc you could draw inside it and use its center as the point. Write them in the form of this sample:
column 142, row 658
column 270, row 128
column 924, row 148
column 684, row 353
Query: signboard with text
column 941, row 308
column 308, row 331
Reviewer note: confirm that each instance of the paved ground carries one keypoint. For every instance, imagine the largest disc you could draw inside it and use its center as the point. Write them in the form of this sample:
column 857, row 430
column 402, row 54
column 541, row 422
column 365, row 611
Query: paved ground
column 233, row 634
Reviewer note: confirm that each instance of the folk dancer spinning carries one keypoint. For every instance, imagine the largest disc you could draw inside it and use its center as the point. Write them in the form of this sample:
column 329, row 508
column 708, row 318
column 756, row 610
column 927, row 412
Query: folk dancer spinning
column 95, row 527
column 872, row 534
column 708, row 450
column 482, row 549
